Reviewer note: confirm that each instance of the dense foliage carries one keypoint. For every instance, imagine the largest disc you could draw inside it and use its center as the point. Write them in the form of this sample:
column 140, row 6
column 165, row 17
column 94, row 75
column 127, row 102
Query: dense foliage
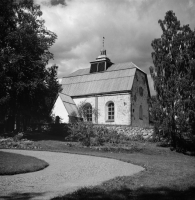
column 173, row 73
column 27, row 87
column 83, row 111
column 93, row 135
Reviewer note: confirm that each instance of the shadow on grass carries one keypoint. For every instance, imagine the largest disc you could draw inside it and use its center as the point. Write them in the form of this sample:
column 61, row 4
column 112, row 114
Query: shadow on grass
column 22, row 196
column 127, row 194
column 45, row 136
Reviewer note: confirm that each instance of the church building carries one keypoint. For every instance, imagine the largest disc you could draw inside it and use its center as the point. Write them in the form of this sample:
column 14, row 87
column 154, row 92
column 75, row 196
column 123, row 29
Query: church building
column 118, row 91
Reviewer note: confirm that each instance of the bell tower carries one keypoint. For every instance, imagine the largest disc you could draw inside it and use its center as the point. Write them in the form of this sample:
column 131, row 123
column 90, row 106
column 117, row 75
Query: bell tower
column 102, row 62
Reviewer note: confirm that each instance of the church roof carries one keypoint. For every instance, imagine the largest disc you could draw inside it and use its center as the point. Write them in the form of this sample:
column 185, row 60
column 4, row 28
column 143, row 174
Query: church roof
column 117, row 78
column 69, row 104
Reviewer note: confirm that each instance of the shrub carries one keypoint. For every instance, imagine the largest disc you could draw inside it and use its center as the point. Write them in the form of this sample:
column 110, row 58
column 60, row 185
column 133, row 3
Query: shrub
column 91, row 135
column 113, row 137
column 18, row 137
column 100, row 135
column 109, row 135
column 58, row 129
column 82, row 132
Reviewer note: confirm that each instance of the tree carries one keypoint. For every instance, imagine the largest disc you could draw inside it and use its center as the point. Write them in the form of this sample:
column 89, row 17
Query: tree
column 174, row 79
column 27, row 86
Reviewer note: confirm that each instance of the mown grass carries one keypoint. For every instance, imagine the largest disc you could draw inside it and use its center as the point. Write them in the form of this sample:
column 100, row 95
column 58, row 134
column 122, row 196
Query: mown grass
column 167, row 175
column 12, row 163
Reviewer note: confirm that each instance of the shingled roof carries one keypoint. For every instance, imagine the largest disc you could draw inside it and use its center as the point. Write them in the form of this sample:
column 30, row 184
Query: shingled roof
column 117, row 78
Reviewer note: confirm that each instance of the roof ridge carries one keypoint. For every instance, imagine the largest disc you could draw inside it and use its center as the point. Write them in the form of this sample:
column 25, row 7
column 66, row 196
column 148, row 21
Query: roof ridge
column 74, row 72
column 99, row 72
column 109, row 70
column 97, row 80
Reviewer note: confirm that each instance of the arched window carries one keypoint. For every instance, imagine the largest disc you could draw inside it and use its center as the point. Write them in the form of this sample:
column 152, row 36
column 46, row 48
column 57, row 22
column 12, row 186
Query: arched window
column 88, row 112
column 110, row 111
column 140, row 112
column 141, row 91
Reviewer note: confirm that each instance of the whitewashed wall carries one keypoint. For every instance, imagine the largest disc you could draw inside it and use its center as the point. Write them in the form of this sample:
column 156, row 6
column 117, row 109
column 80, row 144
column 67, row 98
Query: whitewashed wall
column 122, row 105
column 60, row 110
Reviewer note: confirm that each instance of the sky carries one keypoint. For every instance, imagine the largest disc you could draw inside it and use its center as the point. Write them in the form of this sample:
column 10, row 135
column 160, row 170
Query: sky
column 129, row 27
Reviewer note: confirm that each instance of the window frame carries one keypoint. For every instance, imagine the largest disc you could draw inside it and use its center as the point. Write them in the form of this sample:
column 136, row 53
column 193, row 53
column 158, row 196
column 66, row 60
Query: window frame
column 88, row 112
column 110, row 111
column 140, row 112
column 141, row 91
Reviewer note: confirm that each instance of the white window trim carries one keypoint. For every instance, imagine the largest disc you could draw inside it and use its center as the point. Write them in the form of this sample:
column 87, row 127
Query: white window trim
column 106, row 112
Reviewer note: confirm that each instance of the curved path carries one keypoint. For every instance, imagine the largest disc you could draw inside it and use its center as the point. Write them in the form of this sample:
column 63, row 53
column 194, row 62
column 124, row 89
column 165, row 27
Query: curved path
column 66, row 173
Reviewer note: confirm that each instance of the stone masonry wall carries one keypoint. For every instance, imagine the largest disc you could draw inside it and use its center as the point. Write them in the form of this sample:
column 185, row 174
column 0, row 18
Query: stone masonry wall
column 132, row 132
column 140, row 99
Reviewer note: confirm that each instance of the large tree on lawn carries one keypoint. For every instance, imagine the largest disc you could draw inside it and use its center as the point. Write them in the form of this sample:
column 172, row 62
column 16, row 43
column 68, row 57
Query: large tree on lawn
column 27, row 87
column 174, row 79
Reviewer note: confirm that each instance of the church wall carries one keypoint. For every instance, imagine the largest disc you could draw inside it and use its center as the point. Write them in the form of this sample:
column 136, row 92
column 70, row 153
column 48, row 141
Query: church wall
column 60, row 110
column 90, row 100
column 122, row 108
column 138, row 99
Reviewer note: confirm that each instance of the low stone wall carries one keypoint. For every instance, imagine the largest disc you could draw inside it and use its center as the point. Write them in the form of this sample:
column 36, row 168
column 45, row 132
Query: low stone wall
column 130, row 131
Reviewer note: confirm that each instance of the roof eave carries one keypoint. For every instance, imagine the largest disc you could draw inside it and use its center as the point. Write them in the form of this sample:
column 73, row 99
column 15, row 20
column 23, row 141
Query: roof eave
column 102, row 94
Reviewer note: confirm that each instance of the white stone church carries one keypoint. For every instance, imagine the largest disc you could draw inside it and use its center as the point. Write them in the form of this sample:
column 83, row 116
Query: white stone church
column 119, row 92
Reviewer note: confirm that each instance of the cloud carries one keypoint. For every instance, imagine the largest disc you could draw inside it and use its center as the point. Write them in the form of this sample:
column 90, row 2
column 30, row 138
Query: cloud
column 129, row 26
column 57, row 2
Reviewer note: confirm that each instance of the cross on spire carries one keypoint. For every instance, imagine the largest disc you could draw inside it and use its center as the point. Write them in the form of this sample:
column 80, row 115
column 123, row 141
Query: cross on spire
column 103, row 42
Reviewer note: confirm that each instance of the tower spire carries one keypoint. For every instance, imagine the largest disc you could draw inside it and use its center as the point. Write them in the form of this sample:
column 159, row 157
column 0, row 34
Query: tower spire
column 103, row 51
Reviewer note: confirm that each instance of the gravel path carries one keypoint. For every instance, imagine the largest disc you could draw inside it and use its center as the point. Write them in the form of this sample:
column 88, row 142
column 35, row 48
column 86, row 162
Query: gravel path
column 66, row 173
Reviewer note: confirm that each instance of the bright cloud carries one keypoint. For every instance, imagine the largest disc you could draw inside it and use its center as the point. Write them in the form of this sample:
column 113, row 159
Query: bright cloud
column 129, row 26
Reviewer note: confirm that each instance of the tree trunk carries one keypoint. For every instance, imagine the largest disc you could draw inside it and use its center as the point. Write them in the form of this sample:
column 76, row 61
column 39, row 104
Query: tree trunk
column 173, row 133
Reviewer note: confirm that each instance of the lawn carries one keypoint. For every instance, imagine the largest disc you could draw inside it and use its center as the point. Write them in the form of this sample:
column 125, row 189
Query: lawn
column 12, row 163
column 168, row 174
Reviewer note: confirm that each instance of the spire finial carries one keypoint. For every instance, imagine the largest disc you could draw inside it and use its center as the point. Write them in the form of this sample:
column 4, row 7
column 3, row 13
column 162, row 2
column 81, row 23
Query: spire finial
column 103, row 51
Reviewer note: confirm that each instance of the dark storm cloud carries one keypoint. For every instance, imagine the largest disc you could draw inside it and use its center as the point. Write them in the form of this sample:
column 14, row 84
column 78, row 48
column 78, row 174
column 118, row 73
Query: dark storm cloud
column 57, row 2
column 129, row 26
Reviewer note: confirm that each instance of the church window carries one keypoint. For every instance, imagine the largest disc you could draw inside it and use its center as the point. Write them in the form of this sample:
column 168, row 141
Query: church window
column 97, row 67
column 140, row 112
column 88, row 112
column 101, row 66
column 94, row 67
column 110, row 111
column 141, row 91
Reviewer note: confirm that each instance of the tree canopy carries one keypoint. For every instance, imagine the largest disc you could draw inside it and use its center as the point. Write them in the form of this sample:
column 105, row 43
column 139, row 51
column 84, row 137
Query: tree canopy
column 174, row 80
column 27, row 86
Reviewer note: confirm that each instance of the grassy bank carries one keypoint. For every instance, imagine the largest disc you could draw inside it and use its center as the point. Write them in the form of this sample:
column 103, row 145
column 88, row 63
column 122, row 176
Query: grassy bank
column 12, row 163
column 168, row 174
